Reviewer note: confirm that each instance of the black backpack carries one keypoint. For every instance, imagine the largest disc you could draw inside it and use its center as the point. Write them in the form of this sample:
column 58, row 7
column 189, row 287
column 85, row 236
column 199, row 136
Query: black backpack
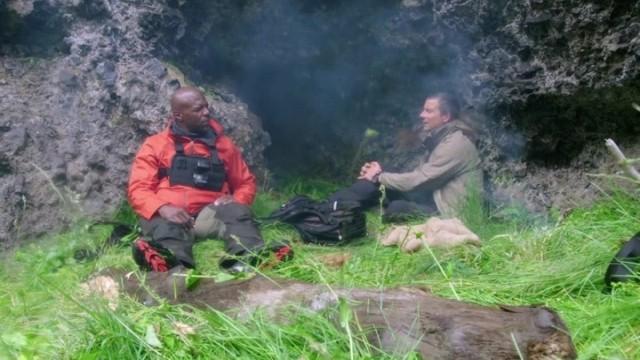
column 323, row 223
column 625, row 263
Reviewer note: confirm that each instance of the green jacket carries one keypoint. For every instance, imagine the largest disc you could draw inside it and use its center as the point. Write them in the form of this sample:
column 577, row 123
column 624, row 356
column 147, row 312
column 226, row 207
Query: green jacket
column 448, row 171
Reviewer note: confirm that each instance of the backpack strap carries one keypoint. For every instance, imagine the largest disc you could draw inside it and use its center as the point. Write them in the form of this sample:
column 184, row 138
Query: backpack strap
column 624, row 263
column 163, row 172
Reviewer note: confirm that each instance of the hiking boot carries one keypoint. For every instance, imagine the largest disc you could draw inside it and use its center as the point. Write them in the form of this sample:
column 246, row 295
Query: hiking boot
column 150, row 256
column 237, row 264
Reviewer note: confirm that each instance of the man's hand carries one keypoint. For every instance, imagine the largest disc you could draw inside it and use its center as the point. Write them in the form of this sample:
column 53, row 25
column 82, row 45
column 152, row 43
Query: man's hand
column 175, row 214
column 370, row 171
column 367, row 166
column 223, row 200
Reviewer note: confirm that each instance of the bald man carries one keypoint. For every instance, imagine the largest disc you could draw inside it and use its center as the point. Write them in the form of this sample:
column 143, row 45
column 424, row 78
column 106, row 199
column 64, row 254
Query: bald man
column 190, row 181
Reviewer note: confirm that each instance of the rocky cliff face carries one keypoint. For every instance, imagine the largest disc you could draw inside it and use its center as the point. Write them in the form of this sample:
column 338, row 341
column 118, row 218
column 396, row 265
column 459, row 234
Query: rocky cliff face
column 545, row 81
column 76, row 107
column 554, row 79
column 83, row 81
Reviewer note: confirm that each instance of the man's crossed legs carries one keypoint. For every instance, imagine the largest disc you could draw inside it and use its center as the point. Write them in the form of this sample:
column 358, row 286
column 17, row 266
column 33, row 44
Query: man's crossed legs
column 166, row 244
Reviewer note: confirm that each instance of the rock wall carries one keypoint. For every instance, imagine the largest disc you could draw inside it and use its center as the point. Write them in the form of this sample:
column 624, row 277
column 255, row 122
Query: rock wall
column 76, row 108
column 544, row 81
column 553, row 80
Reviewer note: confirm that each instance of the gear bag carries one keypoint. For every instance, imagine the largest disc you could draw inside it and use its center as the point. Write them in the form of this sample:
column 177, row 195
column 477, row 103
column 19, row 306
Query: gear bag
column 625, row 265
column 323, row 223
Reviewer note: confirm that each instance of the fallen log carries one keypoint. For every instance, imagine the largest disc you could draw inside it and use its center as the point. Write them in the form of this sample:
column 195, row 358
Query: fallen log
column 397, row 320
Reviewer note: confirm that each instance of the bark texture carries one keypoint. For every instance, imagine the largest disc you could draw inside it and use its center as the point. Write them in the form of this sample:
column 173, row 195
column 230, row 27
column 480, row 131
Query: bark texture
column 397, row 320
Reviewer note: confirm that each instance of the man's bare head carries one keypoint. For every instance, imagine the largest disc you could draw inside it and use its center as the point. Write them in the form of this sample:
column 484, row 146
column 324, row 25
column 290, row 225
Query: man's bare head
column 438, row 110
column 190, row 109
column 184, row 97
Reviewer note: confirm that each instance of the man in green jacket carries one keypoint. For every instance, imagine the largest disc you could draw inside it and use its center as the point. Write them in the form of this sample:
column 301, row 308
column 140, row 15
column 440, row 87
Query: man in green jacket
column 449, row 170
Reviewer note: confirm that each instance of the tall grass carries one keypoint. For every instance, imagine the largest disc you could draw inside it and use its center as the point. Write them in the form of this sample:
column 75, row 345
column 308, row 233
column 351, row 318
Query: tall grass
column 559, row 264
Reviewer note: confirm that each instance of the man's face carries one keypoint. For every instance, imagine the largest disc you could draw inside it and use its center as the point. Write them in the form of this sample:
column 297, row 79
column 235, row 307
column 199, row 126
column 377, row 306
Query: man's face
column 431, row 116
column 195, row 113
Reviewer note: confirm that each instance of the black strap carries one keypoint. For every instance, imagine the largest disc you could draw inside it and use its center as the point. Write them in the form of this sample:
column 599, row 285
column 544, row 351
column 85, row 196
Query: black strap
column 163, row 172
column 179, row 148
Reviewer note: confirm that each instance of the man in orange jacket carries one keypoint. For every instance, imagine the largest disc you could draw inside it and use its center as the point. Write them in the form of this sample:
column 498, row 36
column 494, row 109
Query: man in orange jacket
column 190, row 181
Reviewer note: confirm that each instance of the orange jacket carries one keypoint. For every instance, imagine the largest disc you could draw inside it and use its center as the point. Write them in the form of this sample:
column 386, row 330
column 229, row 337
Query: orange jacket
column 147, row 193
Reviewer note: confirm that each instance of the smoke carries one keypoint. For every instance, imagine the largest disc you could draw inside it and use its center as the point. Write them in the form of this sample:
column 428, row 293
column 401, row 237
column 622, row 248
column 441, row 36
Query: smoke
column 320, row 73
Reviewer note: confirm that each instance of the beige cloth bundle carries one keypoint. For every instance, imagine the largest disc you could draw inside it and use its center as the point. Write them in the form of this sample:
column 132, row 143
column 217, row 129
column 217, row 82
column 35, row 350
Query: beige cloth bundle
column 435, row 232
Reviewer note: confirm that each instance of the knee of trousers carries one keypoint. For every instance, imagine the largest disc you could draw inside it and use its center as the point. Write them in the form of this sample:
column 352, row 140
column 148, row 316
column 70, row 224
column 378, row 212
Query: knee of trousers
column 233, row 213
column 398, row 209
column 215, row 220
column 164, row 230
column 363, row 191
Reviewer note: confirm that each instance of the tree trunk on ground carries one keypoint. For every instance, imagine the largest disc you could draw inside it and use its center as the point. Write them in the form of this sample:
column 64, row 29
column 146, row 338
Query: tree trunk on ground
column 397, row 320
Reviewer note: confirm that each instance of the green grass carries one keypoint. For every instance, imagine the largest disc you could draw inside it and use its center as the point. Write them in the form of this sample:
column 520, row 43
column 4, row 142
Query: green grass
column 560, row 264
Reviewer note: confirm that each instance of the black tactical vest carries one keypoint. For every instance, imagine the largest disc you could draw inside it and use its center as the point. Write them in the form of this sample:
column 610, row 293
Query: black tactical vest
column 200, row 172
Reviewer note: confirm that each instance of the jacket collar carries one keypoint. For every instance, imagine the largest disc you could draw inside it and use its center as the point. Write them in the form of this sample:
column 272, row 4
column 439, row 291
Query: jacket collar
column 435, row 136
column 208, row 137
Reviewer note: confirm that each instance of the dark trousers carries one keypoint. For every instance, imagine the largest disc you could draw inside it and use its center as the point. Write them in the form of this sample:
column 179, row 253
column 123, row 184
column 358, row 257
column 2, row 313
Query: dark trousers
column 397, row 206
column 231, row 222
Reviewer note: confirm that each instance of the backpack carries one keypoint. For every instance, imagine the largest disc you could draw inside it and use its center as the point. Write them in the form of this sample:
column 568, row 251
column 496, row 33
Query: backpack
column 325, row 222
column 625, row 263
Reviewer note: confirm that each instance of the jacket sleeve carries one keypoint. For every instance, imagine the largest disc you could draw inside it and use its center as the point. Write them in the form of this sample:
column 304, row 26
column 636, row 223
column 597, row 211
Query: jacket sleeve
column 449, row 158
column 242, row 182
column 143, row 182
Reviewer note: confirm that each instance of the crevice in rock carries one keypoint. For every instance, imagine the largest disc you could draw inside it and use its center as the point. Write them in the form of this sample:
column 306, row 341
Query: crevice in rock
column 5, row 167
column 558, row 127
column 39, row 33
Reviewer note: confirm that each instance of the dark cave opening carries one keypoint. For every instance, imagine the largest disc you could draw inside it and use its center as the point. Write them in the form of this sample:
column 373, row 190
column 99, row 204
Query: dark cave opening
column 39, row 34
column 319, row 75
column 557, row 127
